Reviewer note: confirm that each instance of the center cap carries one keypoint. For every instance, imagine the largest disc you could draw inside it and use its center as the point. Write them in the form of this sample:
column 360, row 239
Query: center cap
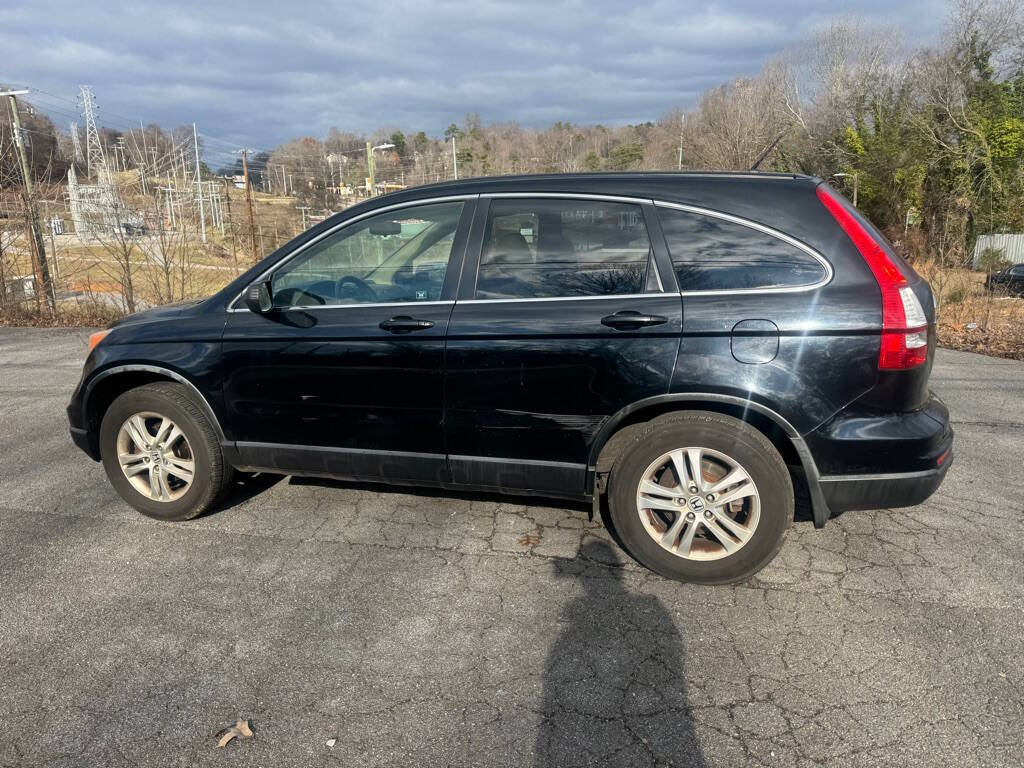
column 696, row 504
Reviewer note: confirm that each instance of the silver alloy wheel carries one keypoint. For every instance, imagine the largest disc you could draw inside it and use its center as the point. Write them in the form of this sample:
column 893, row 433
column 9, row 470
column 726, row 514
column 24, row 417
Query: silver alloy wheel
column 155, row 456
column 698, row 503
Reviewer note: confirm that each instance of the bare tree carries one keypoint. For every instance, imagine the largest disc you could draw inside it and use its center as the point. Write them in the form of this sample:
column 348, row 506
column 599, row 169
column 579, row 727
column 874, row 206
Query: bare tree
column 996, row 26
column 825, row 83
column 119, row 241
column 122, row 249
column 734, row 124
column 170, row 269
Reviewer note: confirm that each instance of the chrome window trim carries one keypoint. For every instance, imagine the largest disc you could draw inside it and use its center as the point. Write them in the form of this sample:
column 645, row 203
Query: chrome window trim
column 829, row 271
column 567, row 196
column 826, row 265
column 568, row 298
column 353, row 306
column 341, row 225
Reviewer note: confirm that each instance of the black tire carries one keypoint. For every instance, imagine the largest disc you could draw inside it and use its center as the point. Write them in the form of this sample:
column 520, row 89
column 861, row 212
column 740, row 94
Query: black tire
column 738, row 440
column 212, row 475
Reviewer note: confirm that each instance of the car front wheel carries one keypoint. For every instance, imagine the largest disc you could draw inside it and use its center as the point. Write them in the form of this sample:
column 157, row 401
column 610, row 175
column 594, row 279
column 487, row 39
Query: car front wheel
column 701, row 497
column 161, row 453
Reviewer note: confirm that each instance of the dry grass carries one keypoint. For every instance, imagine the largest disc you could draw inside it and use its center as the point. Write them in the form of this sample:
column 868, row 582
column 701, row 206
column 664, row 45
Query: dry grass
column 973, row 319
column 79, row 314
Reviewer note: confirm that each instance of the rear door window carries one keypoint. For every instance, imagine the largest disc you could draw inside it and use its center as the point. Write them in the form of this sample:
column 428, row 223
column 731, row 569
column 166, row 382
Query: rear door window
column 715, row 254
column 547, row 248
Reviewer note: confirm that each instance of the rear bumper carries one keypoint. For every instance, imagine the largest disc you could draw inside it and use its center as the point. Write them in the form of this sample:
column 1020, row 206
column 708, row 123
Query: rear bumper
column 863, row 441
column 901, row 489
column 871, row 460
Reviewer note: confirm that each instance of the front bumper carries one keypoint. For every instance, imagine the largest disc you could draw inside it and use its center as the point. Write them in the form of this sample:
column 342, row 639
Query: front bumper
column 81, row 438
column 79, row 426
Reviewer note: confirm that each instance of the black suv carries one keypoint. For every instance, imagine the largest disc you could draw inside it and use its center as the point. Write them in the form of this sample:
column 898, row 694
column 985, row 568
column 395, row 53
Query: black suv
column 690, row 346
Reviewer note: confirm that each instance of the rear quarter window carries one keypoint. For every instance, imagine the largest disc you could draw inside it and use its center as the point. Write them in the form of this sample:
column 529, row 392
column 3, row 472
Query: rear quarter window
column 714, row 254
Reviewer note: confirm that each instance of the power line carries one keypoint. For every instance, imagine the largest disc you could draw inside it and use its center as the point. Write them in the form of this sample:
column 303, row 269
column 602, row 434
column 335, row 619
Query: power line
column 72, row 101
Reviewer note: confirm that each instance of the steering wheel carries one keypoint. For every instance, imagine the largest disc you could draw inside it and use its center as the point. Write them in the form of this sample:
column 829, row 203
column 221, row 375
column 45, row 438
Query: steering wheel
column 363, row 287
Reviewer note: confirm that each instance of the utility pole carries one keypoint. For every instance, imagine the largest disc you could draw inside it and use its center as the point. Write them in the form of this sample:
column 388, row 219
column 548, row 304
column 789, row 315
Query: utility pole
column 173, row 175
column 119, row 150
column 682, row 118
column 248, row 199
column 199, row 183
column 76, row 145
column 231, row 223
column 455, row 159
column 170, row 204
column 218, row 219
column 142, row 165
column 371, row 183
column 36, row 232
column 371, row 166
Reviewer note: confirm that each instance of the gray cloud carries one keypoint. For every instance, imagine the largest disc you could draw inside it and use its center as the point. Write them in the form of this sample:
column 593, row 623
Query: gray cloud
column 262, row 72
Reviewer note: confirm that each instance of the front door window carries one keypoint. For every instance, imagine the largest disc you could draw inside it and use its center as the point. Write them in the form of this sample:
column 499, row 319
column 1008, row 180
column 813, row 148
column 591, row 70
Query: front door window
column 393, row 257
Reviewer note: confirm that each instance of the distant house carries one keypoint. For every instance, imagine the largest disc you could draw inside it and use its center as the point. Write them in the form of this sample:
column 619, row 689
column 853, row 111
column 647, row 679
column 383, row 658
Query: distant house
column 1012, row 247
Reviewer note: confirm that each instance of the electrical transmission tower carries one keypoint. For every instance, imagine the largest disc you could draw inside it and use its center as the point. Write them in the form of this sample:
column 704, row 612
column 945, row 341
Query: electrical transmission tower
column 96, row 161
column 75, row 143
column 97, row 208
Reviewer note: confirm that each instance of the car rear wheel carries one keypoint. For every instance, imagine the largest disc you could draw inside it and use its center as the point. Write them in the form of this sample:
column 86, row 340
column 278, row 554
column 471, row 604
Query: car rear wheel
column 161, row 453
column 701, row 497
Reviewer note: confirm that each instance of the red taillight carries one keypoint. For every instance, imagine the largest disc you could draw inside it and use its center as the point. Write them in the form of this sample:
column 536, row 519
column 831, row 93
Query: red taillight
column 904, row 325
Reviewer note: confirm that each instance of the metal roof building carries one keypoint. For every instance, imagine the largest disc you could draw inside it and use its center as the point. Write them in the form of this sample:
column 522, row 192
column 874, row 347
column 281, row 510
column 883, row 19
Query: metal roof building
column 1012, row 247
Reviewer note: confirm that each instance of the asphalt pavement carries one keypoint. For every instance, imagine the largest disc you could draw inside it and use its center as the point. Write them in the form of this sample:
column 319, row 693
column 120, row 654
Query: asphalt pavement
column 355, row 625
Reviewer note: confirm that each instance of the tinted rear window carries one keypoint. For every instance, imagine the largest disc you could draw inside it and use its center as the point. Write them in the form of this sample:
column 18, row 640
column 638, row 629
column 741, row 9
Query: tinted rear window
column 713, row 254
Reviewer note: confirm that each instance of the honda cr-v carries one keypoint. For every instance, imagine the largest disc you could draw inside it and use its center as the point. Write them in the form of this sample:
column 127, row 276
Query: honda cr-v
column 695, row 348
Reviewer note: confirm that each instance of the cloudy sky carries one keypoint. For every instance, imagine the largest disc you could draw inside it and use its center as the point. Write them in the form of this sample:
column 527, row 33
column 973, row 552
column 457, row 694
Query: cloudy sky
column 262, row 72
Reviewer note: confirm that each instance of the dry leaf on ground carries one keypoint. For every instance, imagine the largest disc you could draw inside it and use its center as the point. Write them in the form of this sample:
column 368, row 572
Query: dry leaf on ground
column 529, row 540
column 240, row 730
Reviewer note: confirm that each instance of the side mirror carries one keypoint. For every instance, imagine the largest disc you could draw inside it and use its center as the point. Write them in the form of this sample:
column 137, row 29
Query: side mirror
column 258, row 299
